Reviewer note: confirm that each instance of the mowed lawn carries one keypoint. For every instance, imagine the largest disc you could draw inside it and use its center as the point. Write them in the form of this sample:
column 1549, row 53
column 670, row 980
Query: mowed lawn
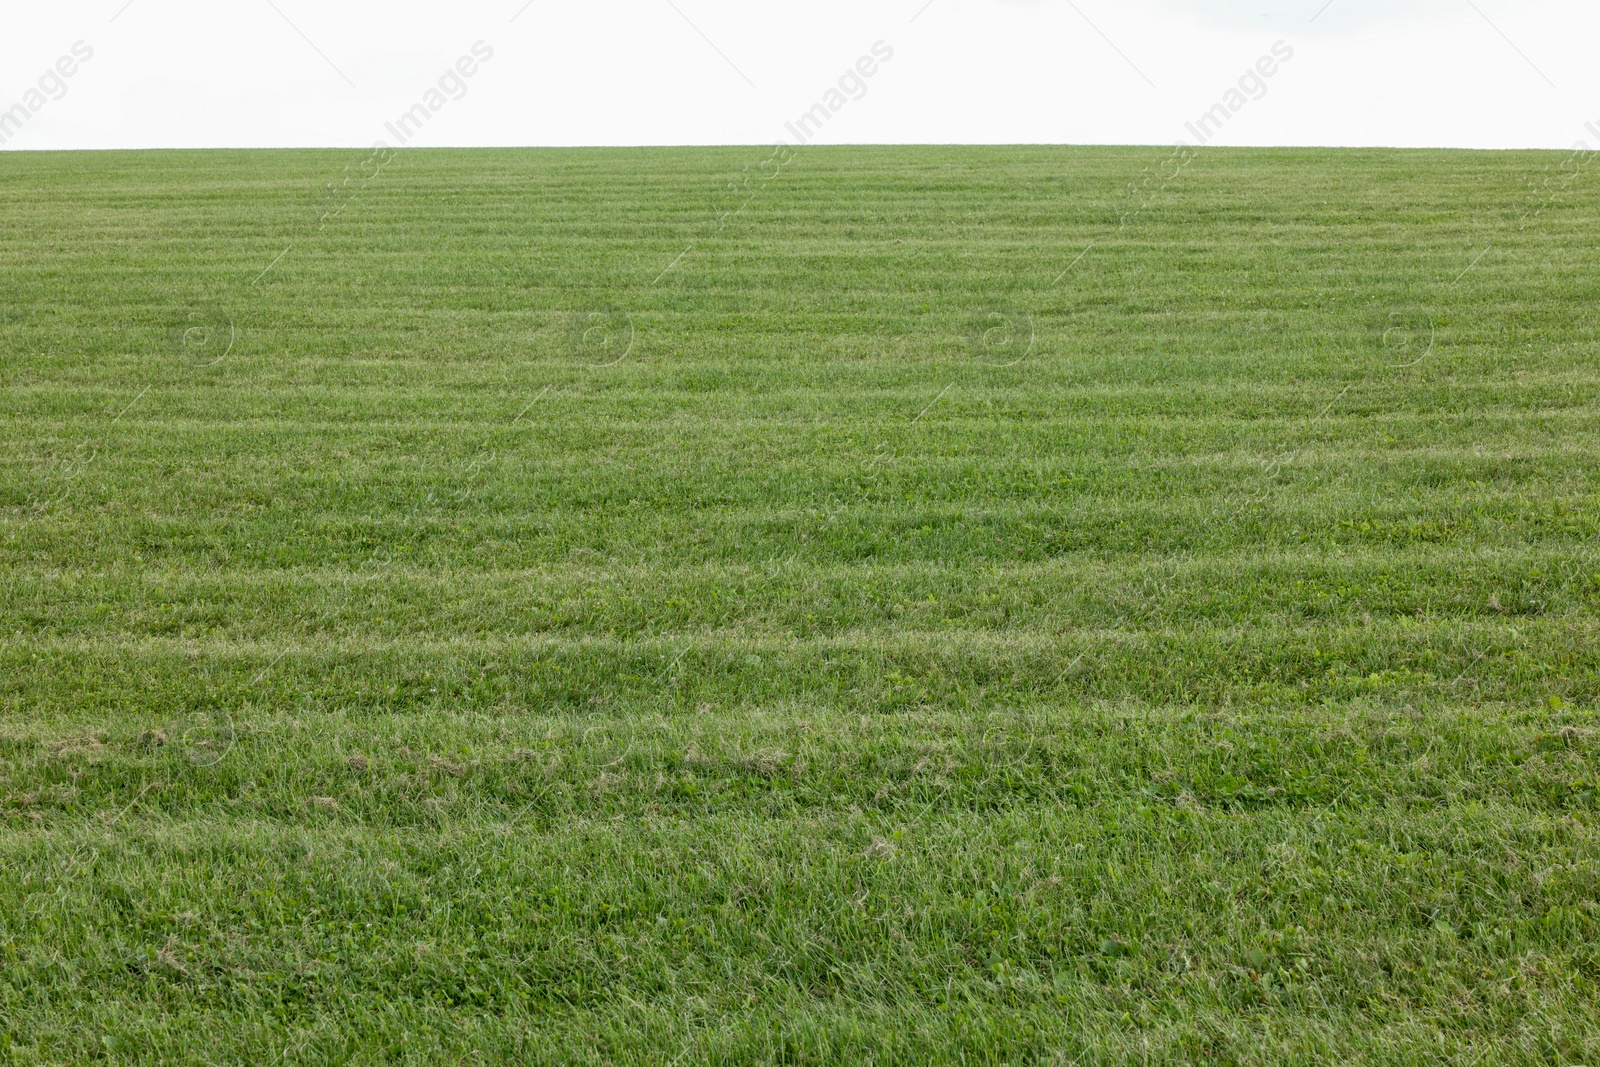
column 891, row 605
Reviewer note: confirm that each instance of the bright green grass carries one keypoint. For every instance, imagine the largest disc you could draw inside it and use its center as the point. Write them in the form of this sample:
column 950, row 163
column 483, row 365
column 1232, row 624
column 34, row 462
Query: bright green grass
column 824, row 681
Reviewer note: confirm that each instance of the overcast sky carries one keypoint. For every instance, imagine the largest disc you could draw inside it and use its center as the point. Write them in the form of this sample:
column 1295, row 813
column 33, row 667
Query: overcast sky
column 198, row 73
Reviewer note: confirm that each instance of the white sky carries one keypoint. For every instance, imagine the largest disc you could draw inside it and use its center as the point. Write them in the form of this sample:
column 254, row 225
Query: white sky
column 198, row 73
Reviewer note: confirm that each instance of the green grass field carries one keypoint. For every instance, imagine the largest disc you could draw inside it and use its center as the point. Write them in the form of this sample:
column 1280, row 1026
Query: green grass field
column 686, row 606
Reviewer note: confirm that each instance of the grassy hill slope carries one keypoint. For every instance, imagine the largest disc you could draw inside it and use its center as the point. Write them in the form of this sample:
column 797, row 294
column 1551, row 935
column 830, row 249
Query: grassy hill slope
column 915, row 605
